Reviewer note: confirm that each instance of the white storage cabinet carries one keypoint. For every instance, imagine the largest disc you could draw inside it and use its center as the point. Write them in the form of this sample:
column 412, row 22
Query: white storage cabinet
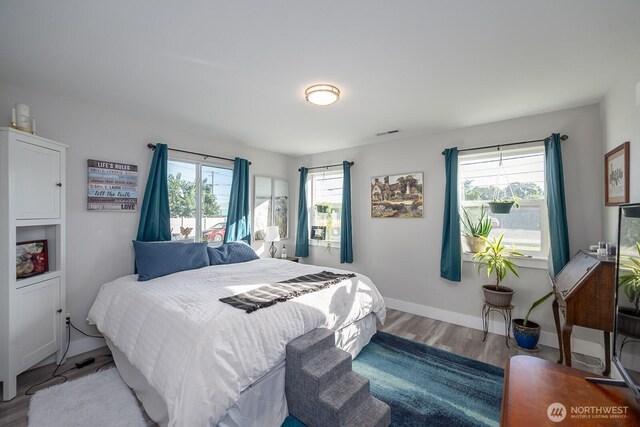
column 32, row 207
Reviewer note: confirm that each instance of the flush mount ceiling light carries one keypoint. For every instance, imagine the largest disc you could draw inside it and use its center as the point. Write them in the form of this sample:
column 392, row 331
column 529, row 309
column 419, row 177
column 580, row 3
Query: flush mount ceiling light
column 322, row 94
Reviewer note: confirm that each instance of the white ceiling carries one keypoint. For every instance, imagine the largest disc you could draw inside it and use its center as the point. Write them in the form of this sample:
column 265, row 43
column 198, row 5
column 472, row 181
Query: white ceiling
column 238, row 69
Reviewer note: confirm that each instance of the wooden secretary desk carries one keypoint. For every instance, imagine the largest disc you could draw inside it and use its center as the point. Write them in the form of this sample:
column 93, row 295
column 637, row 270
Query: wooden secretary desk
column 584, row 291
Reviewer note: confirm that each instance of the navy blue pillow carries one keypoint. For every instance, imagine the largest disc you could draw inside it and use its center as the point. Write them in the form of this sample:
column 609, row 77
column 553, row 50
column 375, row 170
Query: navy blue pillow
column 231, row 253
column 157, row 259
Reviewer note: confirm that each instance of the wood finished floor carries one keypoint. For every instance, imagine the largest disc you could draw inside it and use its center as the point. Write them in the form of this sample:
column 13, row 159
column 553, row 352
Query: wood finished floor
column 446, row 336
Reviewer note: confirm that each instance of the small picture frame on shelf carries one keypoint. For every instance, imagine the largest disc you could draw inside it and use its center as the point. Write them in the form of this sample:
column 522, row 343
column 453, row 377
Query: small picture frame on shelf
column 32, row 258
column 318, row 232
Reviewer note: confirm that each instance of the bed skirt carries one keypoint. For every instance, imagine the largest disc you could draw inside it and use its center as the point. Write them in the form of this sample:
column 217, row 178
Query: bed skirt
column 261, row 404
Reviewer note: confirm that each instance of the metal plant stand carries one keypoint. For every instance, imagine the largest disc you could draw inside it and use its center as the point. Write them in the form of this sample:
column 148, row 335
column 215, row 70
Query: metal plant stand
column 506, row 314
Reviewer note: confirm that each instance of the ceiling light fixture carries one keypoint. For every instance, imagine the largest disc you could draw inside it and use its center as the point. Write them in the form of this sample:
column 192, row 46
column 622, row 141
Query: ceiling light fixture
column 322, row 94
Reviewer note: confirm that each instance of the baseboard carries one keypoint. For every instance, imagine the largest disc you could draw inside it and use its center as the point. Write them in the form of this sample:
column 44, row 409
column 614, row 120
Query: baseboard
column 497, row 327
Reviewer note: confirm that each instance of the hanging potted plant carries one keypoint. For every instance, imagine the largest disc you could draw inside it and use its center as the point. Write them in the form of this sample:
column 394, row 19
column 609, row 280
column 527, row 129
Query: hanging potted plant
column 629, row 317
column 495, row 259
column 323, row 208
column 472, row 231
column 526, row 332
column 503, row 206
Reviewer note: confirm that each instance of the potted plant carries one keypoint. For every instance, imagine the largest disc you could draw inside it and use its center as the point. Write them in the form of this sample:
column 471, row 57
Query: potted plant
column 503, row 206
column 472, row 231
column 495, row 259
column 323, row 208
column 526, row 332
column 629, row 317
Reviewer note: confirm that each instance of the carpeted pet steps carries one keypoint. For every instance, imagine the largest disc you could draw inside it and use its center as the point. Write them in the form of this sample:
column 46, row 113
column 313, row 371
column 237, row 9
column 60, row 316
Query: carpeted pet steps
column 322, row 390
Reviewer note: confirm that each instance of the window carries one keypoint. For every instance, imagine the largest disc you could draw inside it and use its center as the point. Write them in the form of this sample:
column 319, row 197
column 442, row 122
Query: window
column 198, row 199
column 325, row 190
column 481, row 180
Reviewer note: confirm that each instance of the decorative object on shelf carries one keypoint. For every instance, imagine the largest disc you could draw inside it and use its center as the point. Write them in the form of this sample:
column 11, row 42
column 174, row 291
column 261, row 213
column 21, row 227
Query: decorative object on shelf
column 397, row 196
column 32, row 258
column 270, row 236
column 21, row 119
column 473, row 229
column 496, row 260
column 322, row 94
column 616, row 175
column 112, row 186
column 527, row 332
column 629, row 283
column 318, row 232
column 283, row 252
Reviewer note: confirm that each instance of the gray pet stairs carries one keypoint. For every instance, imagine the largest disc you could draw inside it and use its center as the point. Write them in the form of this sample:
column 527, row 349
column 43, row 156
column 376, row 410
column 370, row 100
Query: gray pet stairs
column 323, row 391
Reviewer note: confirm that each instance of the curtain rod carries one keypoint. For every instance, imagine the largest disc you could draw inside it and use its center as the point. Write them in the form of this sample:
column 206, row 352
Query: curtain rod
column 326, row 166
column 498, row 146
column 206, row 156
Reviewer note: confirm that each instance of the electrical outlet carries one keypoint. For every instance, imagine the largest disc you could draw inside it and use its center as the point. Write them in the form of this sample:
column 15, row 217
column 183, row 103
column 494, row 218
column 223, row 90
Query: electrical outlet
column 68, row 318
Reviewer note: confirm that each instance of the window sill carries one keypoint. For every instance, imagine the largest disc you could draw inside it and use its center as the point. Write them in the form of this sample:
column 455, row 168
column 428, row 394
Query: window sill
column 324, row 243
column 538, row 263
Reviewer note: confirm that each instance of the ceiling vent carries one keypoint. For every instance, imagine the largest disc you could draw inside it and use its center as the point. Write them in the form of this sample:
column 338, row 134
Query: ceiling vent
column 389, row 132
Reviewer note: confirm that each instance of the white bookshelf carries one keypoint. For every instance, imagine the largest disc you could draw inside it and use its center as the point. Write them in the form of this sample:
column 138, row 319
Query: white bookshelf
column 32, row 207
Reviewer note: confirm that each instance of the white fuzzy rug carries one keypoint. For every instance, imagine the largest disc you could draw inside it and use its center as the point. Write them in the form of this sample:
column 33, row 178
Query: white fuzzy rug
column 100, row 399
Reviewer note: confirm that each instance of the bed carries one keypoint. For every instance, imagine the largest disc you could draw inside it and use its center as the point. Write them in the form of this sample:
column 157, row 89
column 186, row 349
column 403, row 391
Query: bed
column 195, row 361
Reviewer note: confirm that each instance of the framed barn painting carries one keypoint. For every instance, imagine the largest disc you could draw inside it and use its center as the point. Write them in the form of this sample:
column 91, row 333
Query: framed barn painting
column 397, row 196
column 616, row 176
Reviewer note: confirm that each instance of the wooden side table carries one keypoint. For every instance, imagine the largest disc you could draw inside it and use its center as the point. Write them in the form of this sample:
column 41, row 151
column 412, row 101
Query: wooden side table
column 506, row 314
column 292, row 258
column 537, row 391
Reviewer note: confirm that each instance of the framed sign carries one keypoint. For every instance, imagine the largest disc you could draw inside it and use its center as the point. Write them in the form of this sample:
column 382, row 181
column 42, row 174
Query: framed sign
column 112, row 187
column 616, row 175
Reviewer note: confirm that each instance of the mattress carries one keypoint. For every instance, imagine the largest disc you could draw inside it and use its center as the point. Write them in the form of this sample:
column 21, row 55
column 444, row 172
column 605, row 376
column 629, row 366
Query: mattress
column 199, row 354
column 263, row 403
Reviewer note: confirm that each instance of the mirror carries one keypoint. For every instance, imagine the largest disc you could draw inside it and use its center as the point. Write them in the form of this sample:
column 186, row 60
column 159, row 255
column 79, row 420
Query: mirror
column 271, row 206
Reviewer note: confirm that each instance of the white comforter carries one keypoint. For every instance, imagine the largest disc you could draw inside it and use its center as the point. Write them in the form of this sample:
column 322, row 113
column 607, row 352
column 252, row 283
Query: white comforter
column 200, row 353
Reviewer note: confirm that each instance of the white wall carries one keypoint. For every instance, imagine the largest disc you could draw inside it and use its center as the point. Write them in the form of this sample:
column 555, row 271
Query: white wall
column 402, row 256
column 621, row 122
column 99, row 243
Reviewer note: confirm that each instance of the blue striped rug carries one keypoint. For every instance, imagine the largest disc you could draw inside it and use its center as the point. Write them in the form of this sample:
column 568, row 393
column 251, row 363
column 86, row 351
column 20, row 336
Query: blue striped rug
column 426, row 386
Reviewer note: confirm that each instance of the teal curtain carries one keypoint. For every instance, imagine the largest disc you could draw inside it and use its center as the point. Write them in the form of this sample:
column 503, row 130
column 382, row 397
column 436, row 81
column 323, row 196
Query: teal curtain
column 239, row 214
column 556, row 204
column 154, row 222
column 451, row 253
column 302, row 233
column 346, row 243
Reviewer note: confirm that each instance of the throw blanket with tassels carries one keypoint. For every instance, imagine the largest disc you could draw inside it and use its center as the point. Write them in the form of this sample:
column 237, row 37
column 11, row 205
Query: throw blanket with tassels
column 268, row 295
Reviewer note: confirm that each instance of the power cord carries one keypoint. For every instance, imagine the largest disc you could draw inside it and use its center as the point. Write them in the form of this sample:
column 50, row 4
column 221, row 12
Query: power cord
column 55, row 373
column 82, row 332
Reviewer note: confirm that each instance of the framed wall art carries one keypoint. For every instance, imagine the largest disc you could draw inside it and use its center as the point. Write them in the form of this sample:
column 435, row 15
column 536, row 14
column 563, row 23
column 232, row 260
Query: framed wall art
column 112, row 186
column 397, row 196
column 616, row 176
column 318, row 232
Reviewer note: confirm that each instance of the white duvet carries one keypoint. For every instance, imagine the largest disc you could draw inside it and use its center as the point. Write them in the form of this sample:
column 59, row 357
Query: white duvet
column 199, row 353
